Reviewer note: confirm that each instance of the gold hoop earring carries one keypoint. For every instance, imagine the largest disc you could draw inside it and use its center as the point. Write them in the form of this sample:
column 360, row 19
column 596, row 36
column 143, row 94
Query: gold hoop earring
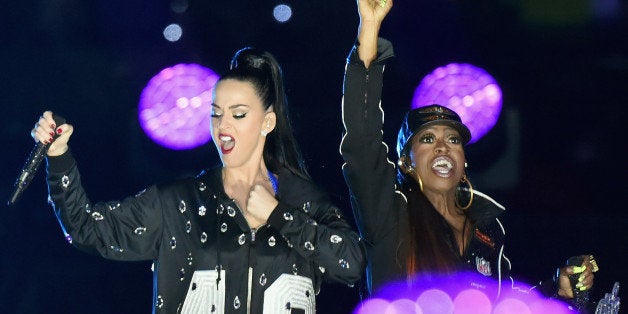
column 418, row 178
column 465, row 180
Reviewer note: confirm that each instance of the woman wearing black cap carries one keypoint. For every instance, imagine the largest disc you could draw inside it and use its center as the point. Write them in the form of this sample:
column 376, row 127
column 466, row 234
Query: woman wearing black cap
column 423, row 215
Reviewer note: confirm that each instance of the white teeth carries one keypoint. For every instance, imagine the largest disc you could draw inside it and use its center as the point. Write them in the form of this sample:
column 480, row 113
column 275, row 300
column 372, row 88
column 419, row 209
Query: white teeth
column 226, row 138
column 442, row 163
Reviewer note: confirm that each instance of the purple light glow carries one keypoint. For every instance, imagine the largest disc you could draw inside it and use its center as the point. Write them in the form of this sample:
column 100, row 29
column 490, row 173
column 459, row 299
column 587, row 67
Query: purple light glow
column 434, row 301
column 372, row 306
column 472, row 301
column 459, row 293
column 175, row 106
column 468, row 90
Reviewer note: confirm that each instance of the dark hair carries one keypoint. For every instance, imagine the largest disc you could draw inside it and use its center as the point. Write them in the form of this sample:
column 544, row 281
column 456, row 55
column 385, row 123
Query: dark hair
column 428, row 249
column 261, row 69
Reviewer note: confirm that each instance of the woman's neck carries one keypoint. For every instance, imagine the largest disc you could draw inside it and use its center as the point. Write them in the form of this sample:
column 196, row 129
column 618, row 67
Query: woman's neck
column 445, row 205
column 245, row 175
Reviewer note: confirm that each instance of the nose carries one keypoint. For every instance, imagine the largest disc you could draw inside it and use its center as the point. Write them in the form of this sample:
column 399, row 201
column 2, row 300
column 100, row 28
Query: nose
column 440, row 147
column 220, row 123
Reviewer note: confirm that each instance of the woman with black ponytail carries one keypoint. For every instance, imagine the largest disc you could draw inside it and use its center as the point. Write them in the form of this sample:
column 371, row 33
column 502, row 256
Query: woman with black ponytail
column 253, row 235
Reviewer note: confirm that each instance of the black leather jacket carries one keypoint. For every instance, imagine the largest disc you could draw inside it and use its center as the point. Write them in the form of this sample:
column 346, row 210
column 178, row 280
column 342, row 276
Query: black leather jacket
column 204, row 254
column 379, row 205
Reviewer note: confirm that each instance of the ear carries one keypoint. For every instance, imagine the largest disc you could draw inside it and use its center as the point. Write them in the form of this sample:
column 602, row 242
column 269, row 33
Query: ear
column 270, row 121
column 404, row 165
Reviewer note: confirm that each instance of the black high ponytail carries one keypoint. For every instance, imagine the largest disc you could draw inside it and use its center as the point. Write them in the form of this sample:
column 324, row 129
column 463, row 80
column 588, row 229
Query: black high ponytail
column 261, row 69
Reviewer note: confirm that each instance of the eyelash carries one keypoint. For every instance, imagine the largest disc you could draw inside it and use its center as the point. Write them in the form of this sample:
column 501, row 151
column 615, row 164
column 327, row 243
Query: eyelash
column 453, row 139
column 235, row 116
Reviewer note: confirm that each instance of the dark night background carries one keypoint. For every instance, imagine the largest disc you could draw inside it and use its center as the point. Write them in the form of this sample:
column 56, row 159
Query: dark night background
column 555, row 159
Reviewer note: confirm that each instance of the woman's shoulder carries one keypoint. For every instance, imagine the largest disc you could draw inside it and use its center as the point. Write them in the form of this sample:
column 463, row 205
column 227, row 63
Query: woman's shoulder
column 206, row 178
column 292, row 185
column 484, row 209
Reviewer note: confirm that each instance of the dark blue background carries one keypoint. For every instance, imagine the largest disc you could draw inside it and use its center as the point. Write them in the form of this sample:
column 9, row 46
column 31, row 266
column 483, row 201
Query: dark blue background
column 555, row 159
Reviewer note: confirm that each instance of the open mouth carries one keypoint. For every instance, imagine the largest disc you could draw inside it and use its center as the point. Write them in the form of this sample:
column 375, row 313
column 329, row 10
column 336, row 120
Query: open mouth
column 227, row 143
column 443, row 166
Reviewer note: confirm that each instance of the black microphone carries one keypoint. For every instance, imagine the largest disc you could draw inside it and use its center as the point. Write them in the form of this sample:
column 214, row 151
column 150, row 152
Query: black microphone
column 580, row 298
column 32, row 164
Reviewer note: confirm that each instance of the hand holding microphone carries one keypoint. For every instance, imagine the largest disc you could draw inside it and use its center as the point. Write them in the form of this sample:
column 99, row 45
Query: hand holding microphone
column 51, row 134
column 53, row 131
column 575, row 279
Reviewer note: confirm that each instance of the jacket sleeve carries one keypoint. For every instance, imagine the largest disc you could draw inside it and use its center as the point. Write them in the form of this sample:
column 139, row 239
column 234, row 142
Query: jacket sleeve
column 318, row 231
column 119, row 230
column 368, row 172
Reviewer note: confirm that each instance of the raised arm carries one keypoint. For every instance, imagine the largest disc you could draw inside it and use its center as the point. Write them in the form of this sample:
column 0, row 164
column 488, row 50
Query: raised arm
column 372, row 13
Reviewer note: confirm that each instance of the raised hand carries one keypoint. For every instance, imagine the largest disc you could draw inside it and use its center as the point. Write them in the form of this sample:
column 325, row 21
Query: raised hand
column 374, row 10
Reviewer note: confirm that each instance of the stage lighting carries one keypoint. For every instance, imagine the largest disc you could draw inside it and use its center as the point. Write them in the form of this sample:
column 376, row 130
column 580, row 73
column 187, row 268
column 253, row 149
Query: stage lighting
column 282, row 13
column 459, row 293
column 466, row 89
column 173, row 32
column 175, row 106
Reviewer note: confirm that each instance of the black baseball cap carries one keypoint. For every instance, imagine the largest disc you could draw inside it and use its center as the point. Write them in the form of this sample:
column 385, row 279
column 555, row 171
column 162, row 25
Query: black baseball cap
column 422, row 117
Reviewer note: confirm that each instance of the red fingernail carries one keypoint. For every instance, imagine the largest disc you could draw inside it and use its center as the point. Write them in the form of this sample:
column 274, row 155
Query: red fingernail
column 59, row 131
column 51, row 140
column 52, row 126
column 52, row 134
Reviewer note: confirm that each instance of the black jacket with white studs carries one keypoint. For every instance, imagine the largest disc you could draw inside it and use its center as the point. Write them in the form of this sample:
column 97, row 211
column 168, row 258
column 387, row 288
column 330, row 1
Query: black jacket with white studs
column 205, row 256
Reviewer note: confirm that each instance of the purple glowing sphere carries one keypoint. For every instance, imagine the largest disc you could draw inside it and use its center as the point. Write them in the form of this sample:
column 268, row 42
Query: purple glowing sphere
column 459, row 293
column 468, row 90
column 175, row 106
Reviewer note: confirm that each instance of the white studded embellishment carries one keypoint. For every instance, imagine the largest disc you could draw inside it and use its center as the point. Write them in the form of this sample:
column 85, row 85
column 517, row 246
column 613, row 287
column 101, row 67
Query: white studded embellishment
column 306, row 207
column 335, row 238
column 160, row 302
column 65, row 181
column 344, row 264
column 116, row 248
column 287, row 216
column 97, row 216
column 231, row 211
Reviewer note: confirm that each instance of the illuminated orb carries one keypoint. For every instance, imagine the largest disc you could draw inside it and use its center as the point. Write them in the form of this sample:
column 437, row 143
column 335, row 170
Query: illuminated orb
column 373, row 305
column 282, row 13
column 175, row 106
column 460, row 293
column 468, row 90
